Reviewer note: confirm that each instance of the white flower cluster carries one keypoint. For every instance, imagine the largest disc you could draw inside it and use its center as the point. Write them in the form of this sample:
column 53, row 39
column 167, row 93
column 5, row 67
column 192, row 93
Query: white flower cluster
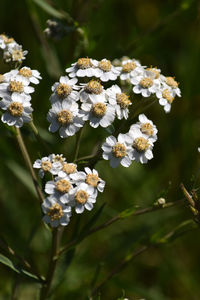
column 136, row 145
column 15, row 93
column 12, row 51
column 69, row 189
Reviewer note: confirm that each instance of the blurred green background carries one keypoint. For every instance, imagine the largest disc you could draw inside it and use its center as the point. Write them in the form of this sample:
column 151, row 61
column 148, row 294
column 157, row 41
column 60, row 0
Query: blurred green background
column 165, row 34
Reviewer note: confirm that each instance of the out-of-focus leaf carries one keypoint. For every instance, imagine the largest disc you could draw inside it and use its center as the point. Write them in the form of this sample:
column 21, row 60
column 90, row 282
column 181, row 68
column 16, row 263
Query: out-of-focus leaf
column 49, row 9
column 127, row 212
column 22, row 175
column 7, row 262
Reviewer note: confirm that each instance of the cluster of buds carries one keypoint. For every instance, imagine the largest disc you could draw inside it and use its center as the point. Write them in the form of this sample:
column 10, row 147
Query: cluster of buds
column 12, row 51
column 69, row 189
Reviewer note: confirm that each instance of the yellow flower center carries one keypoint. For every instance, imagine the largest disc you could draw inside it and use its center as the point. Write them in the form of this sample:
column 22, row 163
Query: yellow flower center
column 16, row 86
column 128, row 67
column 141, row 144
column 166, row 94
column 92, row 180
column 46, row 166
column 17, row 55
column 154, row 71
column 55, row 212
column 81, row 196
column 99, row 109
column 147, row 128
column 65, row 117
column 146, row 82
column 8, row 40
column 1, row 78
column 63, row 90
column 25, row 72
column 171, row 82
column 119, row 150
column 84, row 63
column 58, row 158
column 105, row 65
column 69, row 168
column 123, row 100
column 16, row 109
column 63, row 186
column 94, row 87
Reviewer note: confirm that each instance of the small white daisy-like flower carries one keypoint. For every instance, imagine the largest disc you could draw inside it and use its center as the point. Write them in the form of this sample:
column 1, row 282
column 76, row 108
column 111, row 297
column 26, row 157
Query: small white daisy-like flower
column 6, row 42
column 16, row 85
column 83, row 67
column 153, row 72
column 98, row 112
column 92, row 88
column 166, row 98
column 145, row 85
column 65, row 89
column 32, row 76
column 91, row 177
column 171, row 84
column 65, row 117
column 15, row 53
column 60, row 188
column 82, row 197
column 67, row 169
column 130, row 68
column 141, row 146
column 56, row 213
column 47, row 165
column 119, row 100
column 117, row 151
column 147, row 127
column 17, row 112
column 105, row 70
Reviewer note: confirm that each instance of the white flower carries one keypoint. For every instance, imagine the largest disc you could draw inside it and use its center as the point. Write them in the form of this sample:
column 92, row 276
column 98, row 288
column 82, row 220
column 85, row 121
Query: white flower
column 105, row 70
column 171, row 84
column 147, row 127
column 14, row 53
column 65, row 89
column 67, row 169
column 17, row 85
column 90, row 177
column 98, row 112
column 166, row 98
column 6, row 42
column 56, row 213
column 130, row 68
column 60, row 188
column 82, row 197
column 65, row 117
column 31, row 75
column 153, row 72
column 141, row 146
column 17, row 112
column 92, row 88
column 83, row 67
column 46, row 164
column 117, row 150
column 145, row 85
column 119, row 100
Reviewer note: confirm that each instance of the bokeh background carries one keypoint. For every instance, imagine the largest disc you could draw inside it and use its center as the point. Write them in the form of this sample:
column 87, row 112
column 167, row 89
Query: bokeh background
column 160, row 33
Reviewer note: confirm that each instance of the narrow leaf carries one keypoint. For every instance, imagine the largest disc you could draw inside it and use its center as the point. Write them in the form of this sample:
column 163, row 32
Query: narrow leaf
column 49, row 9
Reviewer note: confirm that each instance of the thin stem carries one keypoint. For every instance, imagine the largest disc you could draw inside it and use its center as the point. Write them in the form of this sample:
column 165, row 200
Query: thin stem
column 29, row 164
column 56, row 237
column 78, row 141
column 38, row 136
column 120, row 267
column 115, row 219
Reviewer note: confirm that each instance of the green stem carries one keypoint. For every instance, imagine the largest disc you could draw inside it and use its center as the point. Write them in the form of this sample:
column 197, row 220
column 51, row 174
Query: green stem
column 78, row 141
column 56, row 237
column 29, row 163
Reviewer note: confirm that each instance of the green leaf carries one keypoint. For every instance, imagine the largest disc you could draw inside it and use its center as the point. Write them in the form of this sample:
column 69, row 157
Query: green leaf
column 127, row 212
column 49, row 9
column 7, row 262
column 22, row 175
